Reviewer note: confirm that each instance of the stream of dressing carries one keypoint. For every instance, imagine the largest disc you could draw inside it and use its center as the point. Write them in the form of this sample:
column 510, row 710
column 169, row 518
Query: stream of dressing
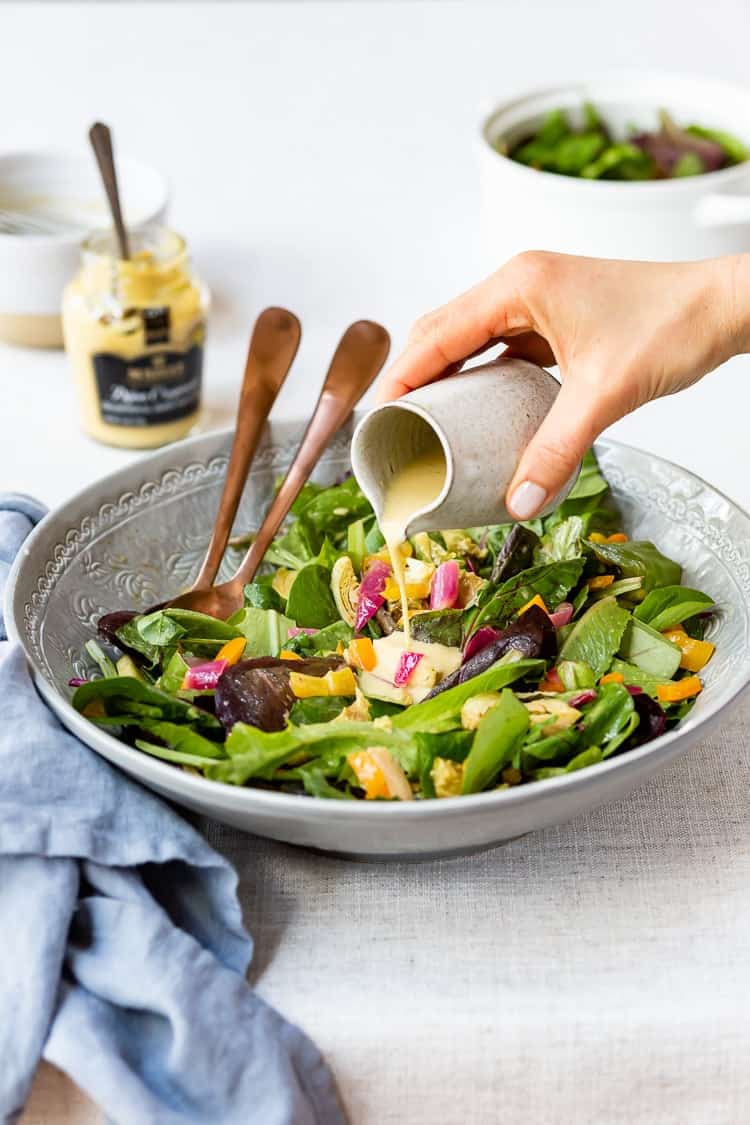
column 416, row 485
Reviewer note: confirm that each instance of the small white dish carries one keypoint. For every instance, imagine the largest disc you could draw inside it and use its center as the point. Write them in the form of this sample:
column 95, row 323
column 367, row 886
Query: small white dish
column 48, row 202
column 679, row 219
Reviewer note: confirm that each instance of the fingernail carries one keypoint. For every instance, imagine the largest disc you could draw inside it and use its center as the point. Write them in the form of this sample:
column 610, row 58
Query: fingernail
column 527, row 499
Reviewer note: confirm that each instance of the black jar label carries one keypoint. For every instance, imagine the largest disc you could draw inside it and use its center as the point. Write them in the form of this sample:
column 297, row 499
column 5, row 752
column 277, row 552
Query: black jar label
column 150, row 390
column 156, row 325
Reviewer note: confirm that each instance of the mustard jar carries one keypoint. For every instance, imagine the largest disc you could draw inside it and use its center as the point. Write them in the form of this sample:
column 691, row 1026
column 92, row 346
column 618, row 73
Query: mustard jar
column 134, row 331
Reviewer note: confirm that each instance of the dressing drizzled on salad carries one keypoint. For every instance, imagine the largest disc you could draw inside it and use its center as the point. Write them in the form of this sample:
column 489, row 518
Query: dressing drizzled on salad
column 414, row 486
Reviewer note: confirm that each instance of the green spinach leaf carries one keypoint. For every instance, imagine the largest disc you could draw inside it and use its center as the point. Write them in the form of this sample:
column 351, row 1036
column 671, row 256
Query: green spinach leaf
column 636, row 677
column 323, row 641
column 265, row 630
column 317, row 709
column 575, row 675
column 173, row 675
column 130, row 638
column 671, row 605
column 117, row 692
column 310, row 603
column 596, row 637
column 643, row 646
column 638, row 558
column 261, row 595
column 607, row 716
column 552, row 581
column 499, row 734
column 438, row 626
column 159, row 629
column 589, row 757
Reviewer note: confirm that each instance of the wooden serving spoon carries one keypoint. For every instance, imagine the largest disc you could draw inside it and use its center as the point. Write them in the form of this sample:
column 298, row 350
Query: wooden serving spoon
column 273, row 346
column 361, row 353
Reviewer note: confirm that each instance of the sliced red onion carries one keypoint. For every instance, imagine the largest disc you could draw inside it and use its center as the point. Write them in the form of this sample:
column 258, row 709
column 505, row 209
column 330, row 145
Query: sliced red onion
column 444, row 590
column 479, row 640
column 634, row 689
column 471, row 565
column 562, row 615
column 205, row 676
column 76, row 681
column 581, row 700
column 406, row 666
column 371, row 594
column 296, row 630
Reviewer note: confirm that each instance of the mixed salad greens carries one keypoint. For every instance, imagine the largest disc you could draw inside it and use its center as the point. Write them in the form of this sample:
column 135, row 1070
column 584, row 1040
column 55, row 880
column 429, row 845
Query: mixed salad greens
column 536, row 649
column 592, row 153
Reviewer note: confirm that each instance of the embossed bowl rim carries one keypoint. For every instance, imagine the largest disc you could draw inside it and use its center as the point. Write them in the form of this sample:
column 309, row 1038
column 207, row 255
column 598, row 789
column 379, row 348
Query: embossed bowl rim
column 320, row 808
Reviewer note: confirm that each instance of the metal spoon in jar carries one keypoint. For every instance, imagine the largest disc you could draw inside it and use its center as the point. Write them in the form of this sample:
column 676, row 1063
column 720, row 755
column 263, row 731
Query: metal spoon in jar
column 100, row 136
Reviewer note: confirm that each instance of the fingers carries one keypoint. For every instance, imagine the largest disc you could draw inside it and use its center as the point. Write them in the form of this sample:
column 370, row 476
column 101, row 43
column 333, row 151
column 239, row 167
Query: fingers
column 465, row 326
column 576, row 419
column 531, row 346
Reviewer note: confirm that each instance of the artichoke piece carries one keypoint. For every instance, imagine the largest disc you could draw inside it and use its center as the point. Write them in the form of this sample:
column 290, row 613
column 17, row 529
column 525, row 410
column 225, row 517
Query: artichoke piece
column 345, row 589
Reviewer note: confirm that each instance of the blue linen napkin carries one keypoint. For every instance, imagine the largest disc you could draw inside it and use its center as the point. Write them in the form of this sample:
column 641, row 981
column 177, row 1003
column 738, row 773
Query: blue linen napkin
column 123, row 949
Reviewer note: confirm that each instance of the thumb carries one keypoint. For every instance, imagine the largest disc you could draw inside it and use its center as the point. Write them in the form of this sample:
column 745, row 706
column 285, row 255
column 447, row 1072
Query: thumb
column 552, row 456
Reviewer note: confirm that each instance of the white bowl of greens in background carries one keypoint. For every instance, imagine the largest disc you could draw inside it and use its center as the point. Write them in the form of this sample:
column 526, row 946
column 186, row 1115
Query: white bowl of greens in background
column 134, row 538
column 536, row 148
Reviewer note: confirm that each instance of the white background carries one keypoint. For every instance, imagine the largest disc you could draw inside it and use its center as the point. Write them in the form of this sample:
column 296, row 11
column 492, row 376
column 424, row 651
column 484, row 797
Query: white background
column 323, row 157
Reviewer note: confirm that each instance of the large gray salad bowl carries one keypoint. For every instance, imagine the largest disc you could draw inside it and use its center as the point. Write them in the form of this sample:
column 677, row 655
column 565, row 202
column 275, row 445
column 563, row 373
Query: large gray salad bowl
column 138, row 536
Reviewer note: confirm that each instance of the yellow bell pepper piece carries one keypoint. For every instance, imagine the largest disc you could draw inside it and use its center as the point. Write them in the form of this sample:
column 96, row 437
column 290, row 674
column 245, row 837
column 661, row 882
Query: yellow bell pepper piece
column 600, row 582
column 362, row 653
column 695, row 654
column 680, row 690
column 413, row 589
column 341, row 681
column 287, row 654
column 232, row 651
column 597, row 537
column 536, row 600
column 306, row 687
column 612, row 678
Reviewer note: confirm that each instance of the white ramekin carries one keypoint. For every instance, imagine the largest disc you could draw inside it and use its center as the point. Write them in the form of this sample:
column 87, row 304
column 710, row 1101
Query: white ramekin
column 35, row 268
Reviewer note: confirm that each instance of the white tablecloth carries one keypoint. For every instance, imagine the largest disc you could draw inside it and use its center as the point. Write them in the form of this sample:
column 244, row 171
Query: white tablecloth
column 593, row 973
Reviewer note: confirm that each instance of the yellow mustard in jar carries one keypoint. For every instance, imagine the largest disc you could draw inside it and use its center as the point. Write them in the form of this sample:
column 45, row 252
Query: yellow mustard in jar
column 134, row 331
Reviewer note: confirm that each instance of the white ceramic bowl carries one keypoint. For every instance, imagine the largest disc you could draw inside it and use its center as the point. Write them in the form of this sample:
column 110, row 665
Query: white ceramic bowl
column 34, row 268
column 139, row 535
column 681, row 219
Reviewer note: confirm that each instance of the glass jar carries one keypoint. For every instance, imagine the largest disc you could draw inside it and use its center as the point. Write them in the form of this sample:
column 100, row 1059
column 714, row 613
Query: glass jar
column 134, row 331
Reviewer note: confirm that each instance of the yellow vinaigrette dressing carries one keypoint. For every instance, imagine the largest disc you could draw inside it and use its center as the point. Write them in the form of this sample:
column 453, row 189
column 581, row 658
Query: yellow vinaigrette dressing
column 415, row 486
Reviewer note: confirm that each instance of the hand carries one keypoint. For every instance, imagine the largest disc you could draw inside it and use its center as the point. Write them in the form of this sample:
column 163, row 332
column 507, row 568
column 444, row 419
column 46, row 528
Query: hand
column 622, row 333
